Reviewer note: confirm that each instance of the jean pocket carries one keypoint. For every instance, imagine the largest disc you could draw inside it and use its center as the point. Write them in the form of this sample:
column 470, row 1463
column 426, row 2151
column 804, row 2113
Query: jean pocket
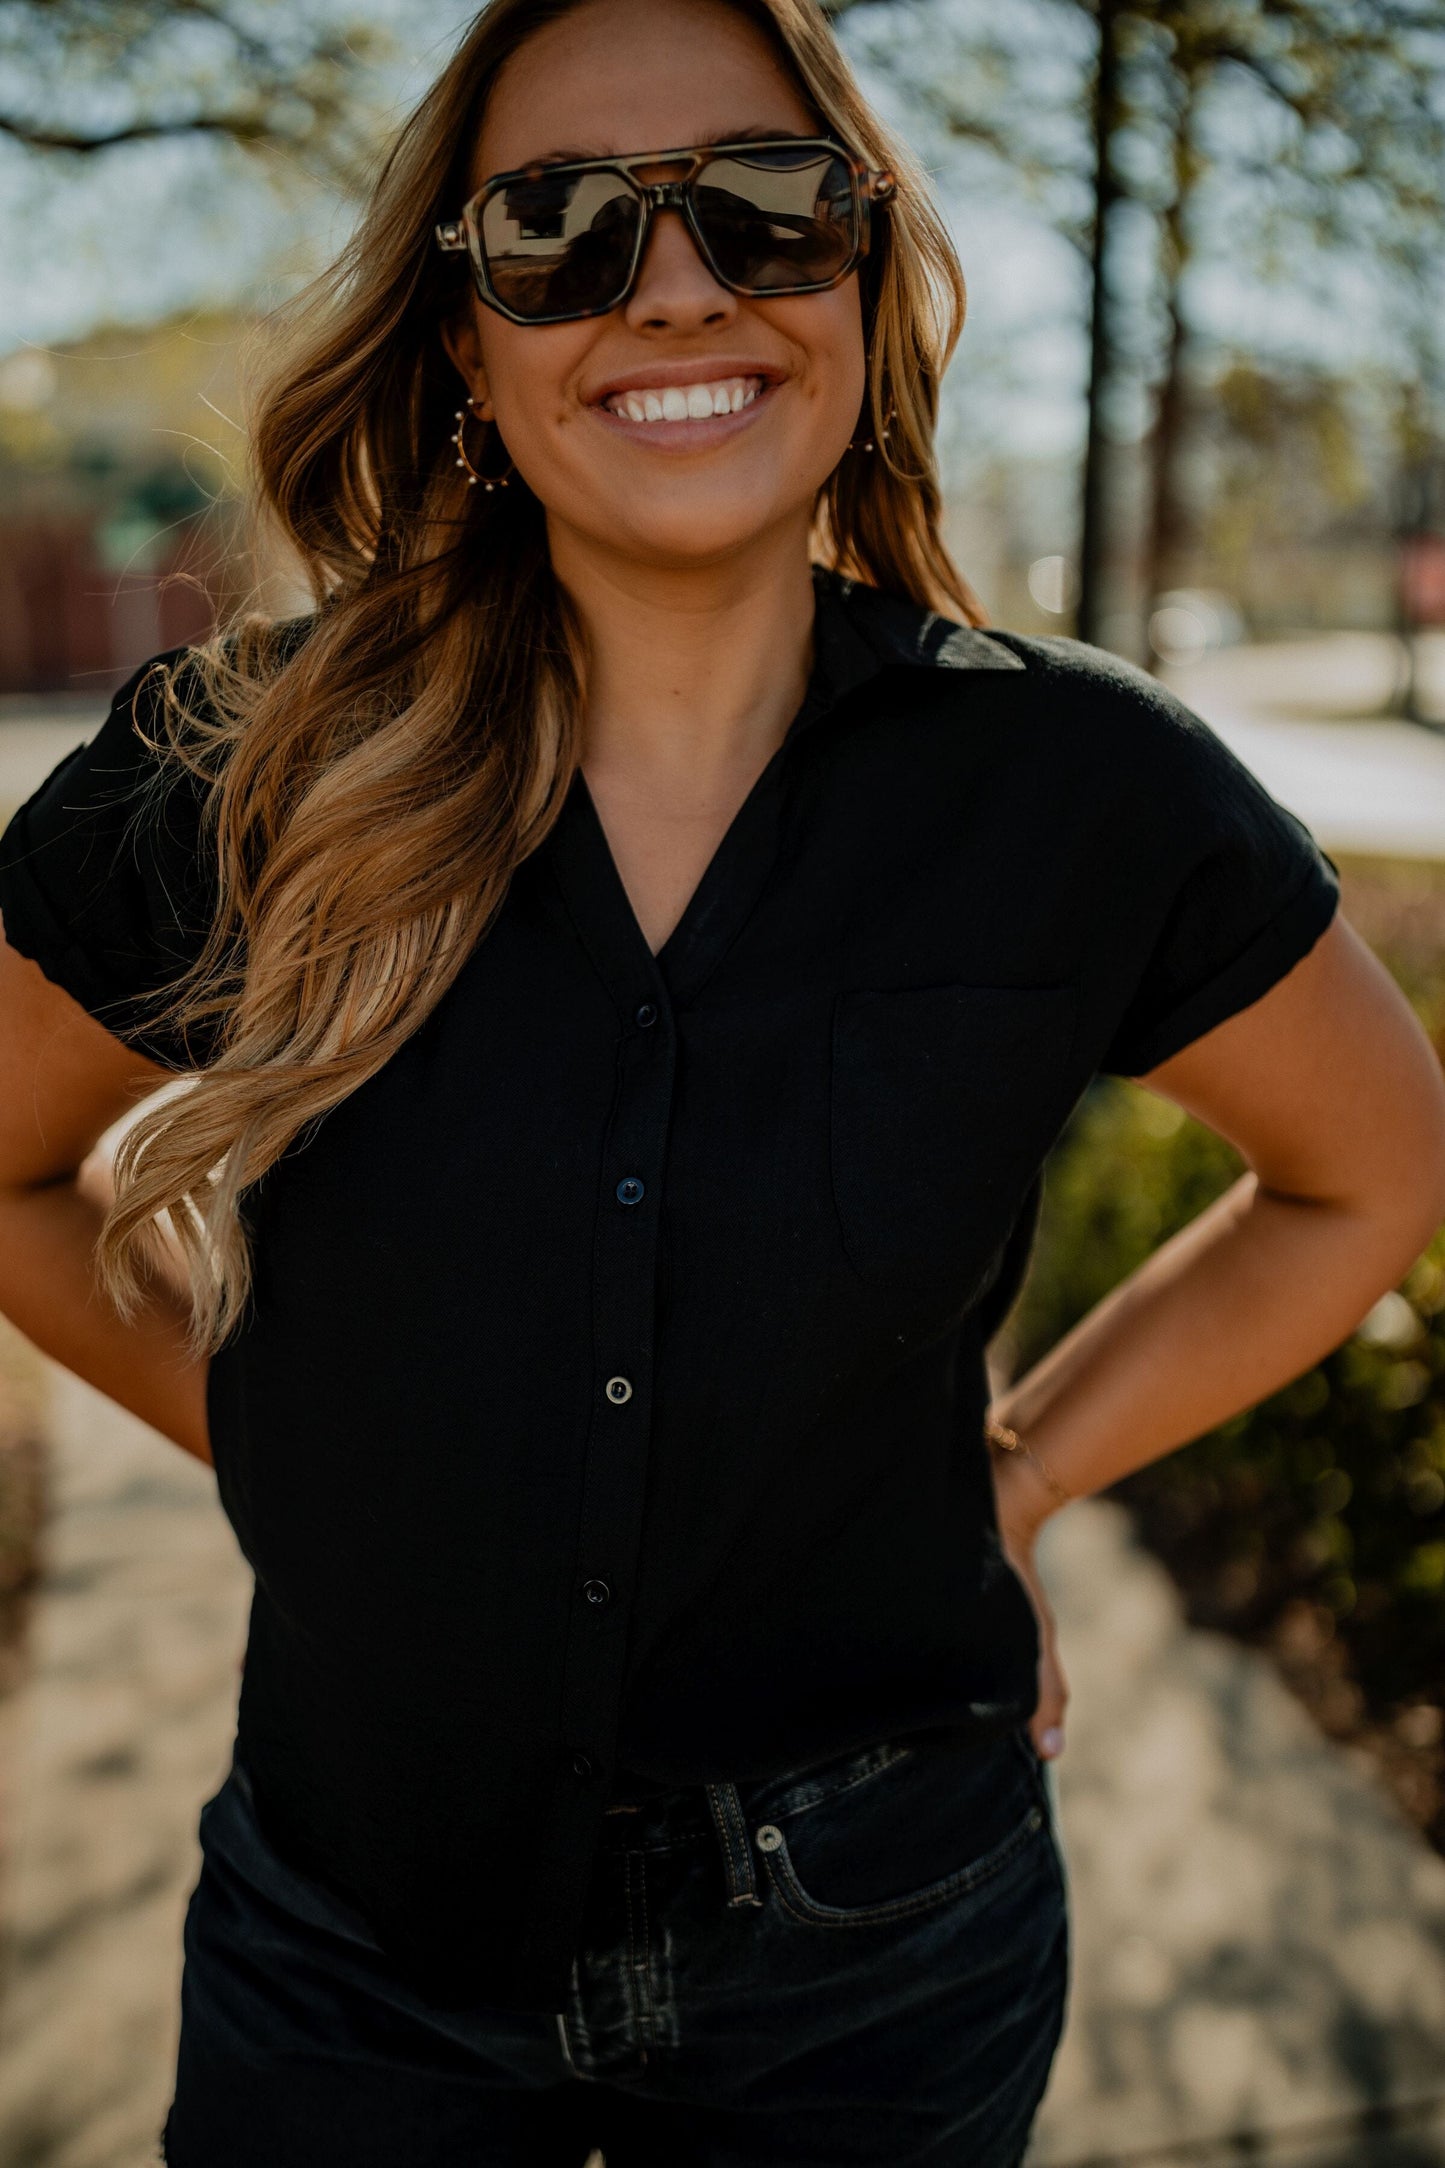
column 938, row 1825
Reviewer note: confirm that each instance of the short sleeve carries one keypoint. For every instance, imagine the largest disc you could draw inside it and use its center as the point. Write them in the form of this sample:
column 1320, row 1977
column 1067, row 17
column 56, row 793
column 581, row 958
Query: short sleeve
column 102, row 879
column 1231, row 891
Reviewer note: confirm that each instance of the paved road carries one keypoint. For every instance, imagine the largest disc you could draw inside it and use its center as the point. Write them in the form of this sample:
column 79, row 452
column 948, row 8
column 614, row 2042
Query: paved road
column 1298, row 712
column 32, row 740
column 1304, row 716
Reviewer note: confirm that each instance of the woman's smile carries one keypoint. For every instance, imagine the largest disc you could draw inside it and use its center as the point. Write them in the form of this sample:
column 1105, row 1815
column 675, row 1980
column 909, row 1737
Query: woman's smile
column 685, row 406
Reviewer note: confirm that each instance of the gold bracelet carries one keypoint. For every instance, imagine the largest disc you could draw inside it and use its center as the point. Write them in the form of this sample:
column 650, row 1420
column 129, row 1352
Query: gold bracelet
column 999, row 1434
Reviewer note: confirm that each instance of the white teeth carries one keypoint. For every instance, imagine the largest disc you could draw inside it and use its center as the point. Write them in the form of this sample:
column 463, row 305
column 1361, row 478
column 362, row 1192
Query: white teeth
column 686, row 402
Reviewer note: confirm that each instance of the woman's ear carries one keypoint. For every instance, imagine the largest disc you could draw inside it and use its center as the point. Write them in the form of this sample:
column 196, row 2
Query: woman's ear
column 462, row 340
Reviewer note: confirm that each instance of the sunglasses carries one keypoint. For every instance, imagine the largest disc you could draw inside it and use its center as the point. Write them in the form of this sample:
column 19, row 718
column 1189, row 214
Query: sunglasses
column 549, row 244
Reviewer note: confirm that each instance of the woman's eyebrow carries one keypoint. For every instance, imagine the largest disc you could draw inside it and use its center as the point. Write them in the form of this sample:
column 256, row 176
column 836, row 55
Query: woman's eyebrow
column 574, row 157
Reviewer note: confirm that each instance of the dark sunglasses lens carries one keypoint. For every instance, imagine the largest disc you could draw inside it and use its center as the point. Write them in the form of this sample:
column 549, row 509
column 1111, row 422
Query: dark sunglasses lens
column 780, row 219
column 560, row 244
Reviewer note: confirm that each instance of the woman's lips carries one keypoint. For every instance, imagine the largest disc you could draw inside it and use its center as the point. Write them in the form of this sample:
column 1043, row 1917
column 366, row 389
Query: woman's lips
column 682, row 416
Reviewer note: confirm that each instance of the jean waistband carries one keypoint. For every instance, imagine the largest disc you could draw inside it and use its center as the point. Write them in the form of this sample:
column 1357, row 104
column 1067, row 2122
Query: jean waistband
column 665, row 1820
column 721, row 1810
column 646, row 1801
column 726, row 1809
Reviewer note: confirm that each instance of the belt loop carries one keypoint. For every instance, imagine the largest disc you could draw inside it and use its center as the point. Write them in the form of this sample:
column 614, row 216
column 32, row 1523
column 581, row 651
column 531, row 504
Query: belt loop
column 727, row 1814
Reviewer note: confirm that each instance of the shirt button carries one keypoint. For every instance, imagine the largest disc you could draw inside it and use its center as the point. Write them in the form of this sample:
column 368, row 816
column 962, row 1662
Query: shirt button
column 646, row 1015
column 619, row 1389
column 596, row 1591
column 631, row 1190
column 581, row 1765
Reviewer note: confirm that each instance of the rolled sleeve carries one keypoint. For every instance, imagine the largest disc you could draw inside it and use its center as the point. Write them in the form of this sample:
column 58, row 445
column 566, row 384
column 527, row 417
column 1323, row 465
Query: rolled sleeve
column 1244, row 892
column 101, row 879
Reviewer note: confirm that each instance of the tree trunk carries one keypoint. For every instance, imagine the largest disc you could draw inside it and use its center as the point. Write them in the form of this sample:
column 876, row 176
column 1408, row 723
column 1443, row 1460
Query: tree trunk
column 1093, row 531
column 1165, row 535
column 1166, row 510
column 1411, row 523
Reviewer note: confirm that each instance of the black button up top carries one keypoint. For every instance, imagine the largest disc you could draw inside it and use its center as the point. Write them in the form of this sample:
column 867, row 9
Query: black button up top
column 611, row 1401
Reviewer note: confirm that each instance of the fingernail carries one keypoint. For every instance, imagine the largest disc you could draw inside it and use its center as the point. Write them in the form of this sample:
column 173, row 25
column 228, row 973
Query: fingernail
column 1052, row 1741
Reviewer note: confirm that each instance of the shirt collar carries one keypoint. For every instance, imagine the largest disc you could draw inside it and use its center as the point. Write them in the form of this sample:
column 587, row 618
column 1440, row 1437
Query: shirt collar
column 859, row 631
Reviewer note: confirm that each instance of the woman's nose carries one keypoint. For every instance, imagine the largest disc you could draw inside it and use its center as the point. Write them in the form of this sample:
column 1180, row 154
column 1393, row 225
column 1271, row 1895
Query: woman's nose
column 675, row 290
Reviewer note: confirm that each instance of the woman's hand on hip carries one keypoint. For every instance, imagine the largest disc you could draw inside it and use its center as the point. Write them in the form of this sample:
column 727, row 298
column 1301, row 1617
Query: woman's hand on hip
column 1047, row 1720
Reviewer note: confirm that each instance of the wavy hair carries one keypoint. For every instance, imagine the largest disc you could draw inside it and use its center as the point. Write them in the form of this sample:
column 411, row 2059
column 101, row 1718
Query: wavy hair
column 369, row 788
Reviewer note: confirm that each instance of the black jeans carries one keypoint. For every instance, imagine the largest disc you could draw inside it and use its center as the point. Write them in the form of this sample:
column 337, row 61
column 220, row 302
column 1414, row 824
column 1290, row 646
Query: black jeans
column 865, row 1961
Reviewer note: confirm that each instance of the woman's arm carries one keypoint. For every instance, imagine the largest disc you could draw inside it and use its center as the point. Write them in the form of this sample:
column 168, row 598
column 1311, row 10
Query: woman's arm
column 1333, row 1095
column 64, row 1080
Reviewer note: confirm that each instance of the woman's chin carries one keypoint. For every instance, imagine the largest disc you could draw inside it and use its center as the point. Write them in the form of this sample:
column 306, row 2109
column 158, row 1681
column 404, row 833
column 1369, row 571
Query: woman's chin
column 693, row 518
column 687, row 535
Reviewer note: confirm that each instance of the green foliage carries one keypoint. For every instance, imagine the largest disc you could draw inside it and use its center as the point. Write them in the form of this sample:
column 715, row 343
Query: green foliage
column 1331, row 1490
column 1129, row 1171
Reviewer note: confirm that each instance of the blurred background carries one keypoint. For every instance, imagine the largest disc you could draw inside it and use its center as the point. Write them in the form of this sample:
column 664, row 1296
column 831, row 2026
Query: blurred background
column 1198, row 418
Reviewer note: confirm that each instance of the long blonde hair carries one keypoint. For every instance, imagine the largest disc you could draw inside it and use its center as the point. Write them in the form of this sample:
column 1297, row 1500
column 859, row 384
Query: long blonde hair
column 369, row 788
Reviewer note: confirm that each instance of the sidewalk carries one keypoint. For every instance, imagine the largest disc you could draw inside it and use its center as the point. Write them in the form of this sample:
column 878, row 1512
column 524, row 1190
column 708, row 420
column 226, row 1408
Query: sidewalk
column 123, row 1729
column 1259, row 1938
column 1259, row 1934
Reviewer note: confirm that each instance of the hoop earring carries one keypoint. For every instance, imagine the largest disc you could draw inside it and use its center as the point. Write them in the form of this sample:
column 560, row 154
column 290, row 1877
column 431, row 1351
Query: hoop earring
column 488, row 481
column 867, row 444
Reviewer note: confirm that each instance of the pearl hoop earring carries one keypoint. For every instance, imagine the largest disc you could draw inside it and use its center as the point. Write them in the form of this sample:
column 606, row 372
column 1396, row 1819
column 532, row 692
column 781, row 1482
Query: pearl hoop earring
column 867, row 443
column 488, row 481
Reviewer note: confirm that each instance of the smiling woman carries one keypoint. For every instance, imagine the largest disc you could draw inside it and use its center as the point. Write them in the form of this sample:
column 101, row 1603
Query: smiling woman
column 636, row 941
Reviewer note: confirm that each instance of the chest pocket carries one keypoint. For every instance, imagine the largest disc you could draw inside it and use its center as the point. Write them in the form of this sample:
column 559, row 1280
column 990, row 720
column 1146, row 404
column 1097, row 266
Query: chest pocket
column 944, row 1103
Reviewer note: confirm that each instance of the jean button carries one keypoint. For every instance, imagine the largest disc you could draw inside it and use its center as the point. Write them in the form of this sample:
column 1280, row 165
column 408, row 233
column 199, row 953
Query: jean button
column 769, row 1837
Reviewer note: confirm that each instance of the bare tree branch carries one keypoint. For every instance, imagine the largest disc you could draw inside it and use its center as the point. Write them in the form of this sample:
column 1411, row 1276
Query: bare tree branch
column 50, row 139
column 69, row 63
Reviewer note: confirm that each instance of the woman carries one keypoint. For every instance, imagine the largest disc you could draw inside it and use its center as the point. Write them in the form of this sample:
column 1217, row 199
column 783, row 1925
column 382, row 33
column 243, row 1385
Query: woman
column 637, row 940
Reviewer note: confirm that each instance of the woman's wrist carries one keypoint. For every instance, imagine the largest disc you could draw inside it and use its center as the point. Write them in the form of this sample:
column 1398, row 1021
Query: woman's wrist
column 1026, row 1489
